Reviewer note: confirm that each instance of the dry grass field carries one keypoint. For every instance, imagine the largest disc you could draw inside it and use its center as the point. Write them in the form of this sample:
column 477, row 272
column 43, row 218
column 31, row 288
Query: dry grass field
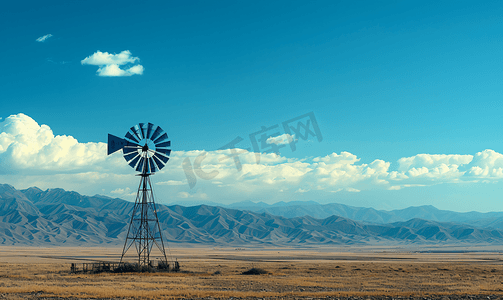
column 36, row 273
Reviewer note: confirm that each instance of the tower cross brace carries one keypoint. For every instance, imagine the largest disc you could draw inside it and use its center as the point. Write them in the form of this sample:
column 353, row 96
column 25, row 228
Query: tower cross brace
column 144, row 229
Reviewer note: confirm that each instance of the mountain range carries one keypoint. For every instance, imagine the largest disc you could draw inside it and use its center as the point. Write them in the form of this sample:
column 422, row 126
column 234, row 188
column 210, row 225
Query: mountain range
column 58, row 217
column 427, row 212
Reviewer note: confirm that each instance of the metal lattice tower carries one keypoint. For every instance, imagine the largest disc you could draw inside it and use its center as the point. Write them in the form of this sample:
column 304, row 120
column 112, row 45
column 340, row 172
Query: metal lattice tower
column 145, row 150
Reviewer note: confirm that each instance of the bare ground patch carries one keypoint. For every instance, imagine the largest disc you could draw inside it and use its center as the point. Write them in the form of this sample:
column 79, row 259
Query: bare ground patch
column 214, row 273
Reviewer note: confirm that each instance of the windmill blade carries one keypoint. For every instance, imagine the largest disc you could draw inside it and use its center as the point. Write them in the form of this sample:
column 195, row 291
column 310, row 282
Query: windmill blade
column 161, row 157
column 156, row 163
column 128, row 150
column 139, row 168
column 115, row 143
column 161, row 138
column 163, row 145
column 152, row 165
column 166, row 152
column 130, row 144
column 130, row 156
column 135, row 132
column 142, row 130
column 149, row 129
column 159, row 163
column 156, row 133
column 134, row 161
column 137, row 129
column 131, row 138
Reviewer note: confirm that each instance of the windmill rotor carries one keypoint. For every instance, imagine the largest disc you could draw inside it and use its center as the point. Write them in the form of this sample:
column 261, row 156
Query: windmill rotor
column 146, row 147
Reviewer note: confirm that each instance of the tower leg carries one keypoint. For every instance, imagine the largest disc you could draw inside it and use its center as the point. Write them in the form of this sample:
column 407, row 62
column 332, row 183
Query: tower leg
column 144, row 229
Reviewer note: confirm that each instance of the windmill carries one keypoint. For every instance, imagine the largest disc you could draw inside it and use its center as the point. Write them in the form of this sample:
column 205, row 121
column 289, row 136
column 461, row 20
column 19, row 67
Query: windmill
column 146, row 149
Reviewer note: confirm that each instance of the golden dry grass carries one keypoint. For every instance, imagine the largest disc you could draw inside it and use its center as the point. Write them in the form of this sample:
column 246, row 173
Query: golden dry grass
column 292, row 274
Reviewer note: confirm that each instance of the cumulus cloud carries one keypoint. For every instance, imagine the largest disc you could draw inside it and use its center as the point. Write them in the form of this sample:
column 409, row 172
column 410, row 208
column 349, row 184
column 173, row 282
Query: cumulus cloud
column 115, row 71
column 343, row 170
column 109, row 64
column 104, row 58
column 26, row 146
column 138, row 69
column 281, row 139
column 487, row 164
column 32, row 155
column 433, row 161
column 43, row 38
column 430, row 169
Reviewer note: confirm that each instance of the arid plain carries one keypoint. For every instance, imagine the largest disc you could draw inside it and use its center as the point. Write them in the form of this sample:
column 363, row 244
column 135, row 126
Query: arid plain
column 36, row 273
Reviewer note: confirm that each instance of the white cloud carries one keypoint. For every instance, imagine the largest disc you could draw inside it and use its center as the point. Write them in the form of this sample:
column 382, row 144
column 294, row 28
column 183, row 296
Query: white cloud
column 109, row 64
column 138, row 69
column 30, row 148
column 120, row 191
column 111, row 70
column 183, row 195
column 172, row 182
column 399, row 187
column 487, row 164
column 349, row 189
column 432, row 168
column 31, row 155
column 343, row 170
column 104, row 58
column 281, row 139
column 115, row 71
column 432, row 161
column 198, row 195
column 43, row 38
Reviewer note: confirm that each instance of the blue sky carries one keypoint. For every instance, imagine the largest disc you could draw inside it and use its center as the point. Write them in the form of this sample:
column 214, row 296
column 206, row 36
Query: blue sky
column 386, row 81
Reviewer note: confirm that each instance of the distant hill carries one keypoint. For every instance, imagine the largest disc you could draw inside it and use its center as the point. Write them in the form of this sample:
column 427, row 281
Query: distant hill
column 57, row 217
column 427, row 212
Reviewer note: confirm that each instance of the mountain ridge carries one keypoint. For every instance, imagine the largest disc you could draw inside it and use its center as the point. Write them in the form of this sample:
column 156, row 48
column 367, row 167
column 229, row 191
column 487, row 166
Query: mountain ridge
column 55, row 216
column 365, row 214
